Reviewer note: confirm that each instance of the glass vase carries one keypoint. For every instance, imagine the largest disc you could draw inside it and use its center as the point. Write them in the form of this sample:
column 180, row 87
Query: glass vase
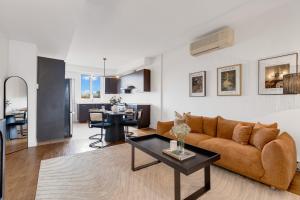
column 181, row 145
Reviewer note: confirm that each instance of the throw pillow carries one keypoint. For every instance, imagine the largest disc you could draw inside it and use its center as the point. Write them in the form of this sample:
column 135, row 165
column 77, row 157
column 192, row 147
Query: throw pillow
column 242, row 133
column 261, row 136
column 259, row 125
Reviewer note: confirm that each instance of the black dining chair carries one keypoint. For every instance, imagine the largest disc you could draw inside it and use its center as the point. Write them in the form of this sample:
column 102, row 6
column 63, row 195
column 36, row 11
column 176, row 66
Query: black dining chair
column 98, row 120
column 21, row 120
column 130, row 121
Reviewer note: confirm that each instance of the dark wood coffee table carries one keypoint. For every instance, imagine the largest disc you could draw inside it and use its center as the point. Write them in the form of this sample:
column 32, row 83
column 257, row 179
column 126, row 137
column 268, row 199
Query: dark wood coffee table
column 154, row 144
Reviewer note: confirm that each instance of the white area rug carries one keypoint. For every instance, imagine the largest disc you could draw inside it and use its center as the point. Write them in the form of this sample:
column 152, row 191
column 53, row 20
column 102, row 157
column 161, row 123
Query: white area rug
column 106, row 175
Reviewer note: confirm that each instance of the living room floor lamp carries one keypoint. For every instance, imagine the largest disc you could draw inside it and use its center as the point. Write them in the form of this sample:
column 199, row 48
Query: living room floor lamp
column 291, row 83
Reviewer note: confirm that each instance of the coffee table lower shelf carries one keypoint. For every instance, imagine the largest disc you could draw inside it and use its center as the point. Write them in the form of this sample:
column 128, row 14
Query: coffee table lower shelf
column 177, row 182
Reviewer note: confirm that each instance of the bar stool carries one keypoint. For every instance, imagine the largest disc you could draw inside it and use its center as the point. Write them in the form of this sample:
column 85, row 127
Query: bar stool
column 132, row 122
column 98, row 120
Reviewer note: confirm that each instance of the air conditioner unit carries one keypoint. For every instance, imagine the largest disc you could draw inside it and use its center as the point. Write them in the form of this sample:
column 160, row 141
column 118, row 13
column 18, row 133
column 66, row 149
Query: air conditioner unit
column 213, row 41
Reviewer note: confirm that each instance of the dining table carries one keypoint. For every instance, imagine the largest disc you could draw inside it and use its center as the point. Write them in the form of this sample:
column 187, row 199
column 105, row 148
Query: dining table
column 115, row 132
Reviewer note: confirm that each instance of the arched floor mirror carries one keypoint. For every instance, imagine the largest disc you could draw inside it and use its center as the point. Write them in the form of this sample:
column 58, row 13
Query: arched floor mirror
column 16, row 114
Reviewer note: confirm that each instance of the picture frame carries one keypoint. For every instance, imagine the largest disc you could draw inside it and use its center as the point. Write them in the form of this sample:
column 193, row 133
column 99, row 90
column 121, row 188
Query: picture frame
column 197, row 84
column 229, row 80
column 271, row 71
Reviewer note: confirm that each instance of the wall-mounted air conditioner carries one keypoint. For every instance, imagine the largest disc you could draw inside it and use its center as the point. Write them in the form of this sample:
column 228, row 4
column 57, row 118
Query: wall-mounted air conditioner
column 213, row 41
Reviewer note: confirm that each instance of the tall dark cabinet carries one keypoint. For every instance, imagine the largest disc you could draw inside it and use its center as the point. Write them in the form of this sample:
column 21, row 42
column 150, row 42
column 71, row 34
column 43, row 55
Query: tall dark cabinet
column 50, row 99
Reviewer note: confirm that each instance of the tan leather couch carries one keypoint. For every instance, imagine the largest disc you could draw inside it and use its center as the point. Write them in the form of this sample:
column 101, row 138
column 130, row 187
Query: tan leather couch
column 275, row 165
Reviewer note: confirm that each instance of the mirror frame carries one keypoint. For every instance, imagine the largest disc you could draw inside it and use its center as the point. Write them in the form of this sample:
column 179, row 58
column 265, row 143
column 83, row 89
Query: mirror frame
column 4, row 105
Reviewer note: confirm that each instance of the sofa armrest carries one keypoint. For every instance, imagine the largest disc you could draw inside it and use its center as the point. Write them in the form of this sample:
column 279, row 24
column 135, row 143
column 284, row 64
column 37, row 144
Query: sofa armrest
column 279, row 159
column 163, row 127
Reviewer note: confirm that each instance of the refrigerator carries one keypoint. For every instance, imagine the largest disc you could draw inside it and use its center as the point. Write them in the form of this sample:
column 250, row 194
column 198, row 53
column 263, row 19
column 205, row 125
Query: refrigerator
column 69, row 106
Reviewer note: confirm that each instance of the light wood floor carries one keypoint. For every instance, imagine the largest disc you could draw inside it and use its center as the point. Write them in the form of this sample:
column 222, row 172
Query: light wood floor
column 15, row 145
column 22, row 168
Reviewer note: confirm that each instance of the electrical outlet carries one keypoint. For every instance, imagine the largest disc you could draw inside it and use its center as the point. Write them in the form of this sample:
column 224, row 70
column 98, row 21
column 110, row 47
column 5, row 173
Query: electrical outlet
column 298, row 166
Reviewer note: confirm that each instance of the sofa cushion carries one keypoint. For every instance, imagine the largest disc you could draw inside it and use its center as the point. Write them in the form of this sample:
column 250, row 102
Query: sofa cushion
column 163, row 127
column 191, row 138
column 261, row 136
column 195, row 138
column 169, row 135
column 243, row 159
column 195, row 123
column 225, row 127
column 210, row 125
column 257, row 126
column 242, row 133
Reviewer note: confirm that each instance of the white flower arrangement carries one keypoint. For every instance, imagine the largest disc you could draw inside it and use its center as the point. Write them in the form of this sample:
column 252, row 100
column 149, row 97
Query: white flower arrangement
column 180, row 130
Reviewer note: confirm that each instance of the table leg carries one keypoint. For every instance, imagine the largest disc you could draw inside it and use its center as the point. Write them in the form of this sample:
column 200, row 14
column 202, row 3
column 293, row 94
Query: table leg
column 207, row 177
column 177, row 184
column 133, row 168
column 199, row 192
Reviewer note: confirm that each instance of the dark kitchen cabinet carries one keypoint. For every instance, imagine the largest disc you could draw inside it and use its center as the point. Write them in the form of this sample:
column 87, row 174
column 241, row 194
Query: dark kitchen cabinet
column 111, row 85
column 83, row 110
column 139, row 80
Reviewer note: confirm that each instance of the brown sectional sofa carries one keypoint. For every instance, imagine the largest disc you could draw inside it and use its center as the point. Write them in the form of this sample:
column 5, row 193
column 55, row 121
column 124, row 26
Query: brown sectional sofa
column 275, row 165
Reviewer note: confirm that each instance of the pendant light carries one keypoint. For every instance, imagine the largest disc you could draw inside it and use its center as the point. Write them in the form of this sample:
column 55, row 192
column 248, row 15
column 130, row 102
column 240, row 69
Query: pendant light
column 104, row 60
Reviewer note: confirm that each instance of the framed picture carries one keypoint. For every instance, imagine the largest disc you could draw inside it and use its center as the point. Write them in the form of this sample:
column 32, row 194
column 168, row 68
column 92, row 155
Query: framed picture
column 271, row 72
column 229, row 80
column 198, row 84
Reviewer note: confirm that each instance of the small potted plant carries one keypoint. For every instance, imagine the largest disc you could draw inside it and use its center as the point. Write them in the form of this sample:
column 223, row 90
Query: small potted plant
column 180, row 131
column 114, row 101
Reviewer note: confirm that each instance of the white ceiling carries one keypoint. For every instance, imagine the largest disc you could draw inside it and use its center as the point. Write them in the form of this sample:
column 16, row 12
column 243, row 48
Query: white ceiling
column 84, row 31
column 49, row 24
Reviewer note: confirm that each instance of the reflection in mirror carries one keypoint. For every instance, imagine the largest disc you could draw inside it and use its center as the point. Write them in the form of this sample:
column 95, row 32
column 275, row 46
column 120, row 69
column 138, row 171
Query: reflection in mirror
column 16, row 104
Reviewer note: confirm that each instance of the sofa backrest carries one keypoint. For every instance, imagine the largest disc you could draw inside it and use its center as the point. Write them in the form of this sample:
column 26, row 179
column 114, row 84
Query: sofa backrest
column 210, row 126
column 195, row 123
column 225, row 127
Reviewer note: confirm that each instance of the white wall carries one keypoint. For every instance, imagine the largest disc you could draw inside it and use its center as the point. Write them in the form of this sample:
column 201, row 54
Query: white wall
column 23, row 63
column 3, row 68
column 273, row 33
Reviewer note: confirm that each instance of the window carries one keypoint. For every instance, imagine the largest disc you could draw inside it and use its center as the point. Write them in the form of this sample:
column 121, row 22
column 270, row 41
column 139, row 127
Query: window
column 96, row 86
column 85, row 87
column 90, row 86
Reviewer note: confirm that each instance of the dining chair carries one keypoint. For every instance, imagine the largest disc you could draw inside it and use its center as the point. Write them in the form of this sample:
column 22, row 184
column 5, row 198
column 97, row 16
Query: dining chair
column 98, row 120
column 132, row 122
column 21, row 120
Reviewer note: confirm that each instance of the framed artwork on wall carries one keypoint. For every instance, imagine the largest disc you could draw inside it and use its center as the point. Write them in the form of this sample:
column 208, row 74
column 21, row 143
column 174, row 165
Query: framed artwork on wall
column 271, row 72
column 197, row 82
column 229, row 80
